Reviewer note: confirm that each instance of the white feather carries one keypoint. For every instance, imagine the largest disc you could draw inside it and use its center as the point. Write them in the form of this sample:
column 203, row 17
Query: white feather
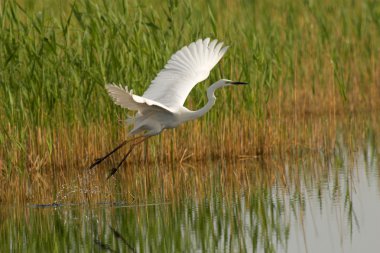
column 127, row 99
column 187, row 67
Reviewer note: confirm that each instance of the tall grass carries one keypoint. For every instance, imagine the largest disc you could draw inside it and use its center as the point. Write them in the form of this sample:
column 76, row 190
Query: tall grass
column 167, row 170
column 300, row 57
column 248, row 205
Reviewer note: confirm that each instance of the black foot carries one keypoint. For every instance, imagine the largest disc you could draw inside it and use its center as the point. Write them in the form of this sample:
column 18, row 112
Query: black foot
column 96, row 162
column 113, row 171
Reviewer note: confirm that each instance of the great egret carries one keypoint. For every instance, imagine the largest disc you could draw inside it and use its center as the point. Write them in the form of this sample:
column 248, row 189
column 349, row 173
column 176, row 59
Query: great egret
column 161, row 106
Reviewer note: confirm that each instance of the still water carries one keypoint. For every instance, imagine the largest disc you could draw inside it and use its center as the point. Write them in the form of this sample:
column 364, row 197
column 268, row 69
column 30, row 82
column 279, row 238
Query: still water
column 317, row 202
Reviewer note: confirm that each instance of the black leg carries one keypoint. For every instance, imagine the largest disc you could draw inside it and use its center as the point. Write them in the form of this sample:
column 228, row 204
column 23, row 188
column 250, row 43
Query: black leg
column 114, row 169
column 101, row 159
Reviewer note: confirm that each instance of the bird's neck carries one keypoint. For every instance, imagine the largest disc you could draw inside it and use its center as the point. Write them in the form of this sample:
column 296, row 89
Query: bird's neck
column 210, row 103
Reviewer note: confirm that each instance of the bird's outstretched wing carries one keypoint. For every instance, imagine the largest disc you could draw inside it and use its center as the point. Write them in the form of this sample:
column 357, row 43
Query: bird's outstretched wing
column 127, row 99
column 187, row 67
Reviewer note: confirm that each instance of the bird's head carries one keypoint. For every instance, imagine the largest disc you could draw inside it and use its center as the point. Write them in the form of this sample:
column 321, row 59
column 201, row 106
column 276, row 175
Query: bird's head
column 229, row 82
column 223, row 83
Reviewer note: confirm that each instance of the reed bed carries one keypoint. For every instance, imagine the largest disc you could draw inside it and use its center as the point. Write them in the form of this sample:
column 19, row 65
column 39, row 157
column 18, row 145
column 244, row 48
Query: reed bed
column 311, row 66
column 182, row 164
column 258, row 199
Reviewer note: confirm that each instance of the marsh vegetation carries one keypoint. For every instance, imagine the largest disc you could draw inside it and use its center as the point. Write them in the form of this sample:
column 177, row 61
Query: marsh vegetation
column 312, row 104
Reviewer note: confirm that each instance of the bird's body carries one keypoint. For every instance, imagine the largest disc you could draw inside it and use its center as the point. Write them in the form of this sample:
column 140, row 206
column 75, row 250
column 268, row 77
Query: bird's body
column 161, row 105
column 154, row 118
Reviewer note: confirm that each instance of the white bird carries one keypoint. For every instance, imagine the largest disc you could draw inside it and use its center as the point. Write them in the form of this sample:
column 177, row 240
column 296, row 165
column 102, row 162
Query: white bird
column 161, row 106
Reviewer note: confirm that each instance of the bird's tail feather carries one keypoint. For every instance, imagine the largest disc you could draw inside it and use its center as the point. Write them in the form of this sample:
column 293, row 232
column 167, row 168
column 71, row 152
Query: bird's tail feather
column 130, row 120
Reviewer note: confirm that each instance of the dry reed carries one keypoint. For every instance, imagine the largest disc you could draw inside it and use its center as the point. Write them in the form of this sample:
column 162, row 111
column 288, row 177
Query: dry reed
column 177, row 164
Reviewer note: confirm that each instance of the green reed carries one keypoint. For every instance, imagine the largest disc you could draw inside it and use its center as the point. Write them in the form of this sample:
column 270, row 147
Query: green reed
column 56, row 56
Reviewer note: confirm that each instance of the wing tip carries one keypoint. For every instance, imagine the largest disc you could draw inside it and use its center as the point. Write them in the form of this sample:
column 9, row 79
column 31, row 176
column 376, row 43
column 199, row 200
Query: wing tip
column 112, row 86
column 224, row 50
